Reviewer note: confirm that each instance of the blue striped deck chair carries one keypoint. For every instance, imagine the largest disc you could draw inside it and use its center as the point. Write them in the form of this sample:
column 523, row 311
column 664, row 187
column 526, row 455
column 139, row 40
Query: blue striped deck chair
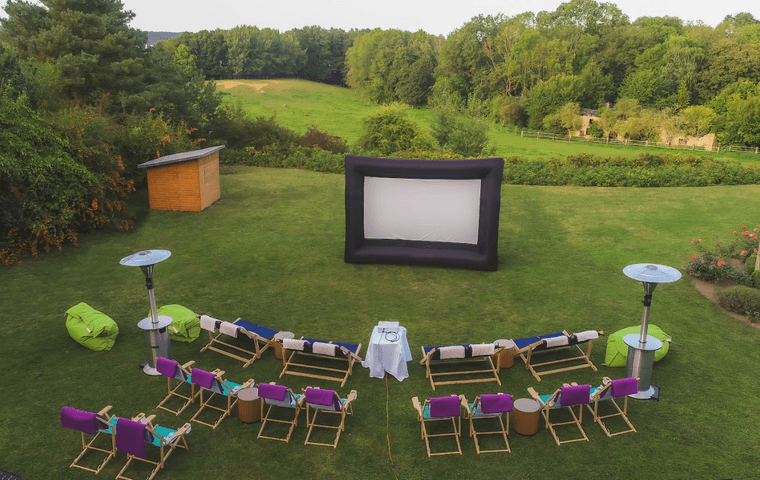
column 95, row 424
column 612, row 390
column 329, row 360
column 439, row 410
column 444, row 362
column 276, row 398
column 560, row 343
column 327, row 402
column 565, row 397
column 132, row 437
column 241, row 339
column 174, row 372
column 487, row 408
column 217, row 386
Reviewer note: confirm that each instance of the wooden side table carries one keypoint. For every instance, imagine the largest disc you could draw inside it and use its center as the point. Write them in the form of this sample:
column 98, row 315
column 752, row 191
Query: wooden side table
column 249, row 405
column 280, row 336
column 526, row 416
column 506, row 357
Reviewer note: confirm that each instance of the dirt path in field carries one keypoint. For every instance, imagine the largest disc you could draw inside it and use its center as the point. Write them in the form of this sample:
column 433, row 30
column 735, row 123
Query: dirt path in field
column 240, row 83
column 710, row 291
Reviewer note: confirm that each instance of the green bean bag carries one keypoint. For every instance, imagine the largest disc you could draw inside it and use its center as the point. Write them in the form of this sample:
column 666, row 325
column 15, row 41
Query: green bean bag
column 185, row 326
column 617, row 350
column 91, row 328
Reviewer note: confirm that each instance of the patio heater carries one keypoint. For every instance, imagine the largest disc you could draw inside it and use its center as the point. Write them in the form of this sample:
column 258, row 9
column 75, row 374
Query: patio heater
column 641, row 350
column 155, row 327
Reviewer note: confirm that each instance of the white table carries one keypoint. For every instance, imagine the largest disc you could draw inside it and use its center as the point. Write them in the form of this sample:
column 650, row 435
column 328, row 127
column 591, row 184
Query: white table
column 385, row 355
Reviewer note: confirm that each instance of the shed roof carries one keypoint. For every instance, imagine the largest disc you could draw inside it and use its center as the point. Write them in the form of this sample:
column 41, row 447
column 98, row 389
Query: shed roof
column 181, row 157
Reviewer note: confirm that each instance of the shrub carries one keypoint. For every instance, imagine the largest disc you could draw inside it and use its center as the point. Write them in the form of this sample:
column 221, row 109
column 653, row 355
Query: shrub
column 742, row 300
column 749, row 265
column 755, row 278
column 466, row 136
column 317, row 138
column 391, row 130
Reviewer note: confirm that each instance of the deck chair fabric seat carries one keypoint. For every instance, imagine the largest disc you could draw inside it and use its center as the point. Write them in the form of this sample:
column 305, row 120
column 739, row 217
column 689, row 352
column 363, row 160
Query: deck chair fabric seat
column 95, row 424
column 490, row 407
column 565, row 397
column 91, row 328
column 185, row 326
column 617, row 351
column 440, row 360
column 530, row 350
column 133, row 435
column 242, row 340
column 278, row 397
column 181, row 374
column 326, row 402
column 438, row 410
column 611, row 391
column 215, row 384
column 345, row 354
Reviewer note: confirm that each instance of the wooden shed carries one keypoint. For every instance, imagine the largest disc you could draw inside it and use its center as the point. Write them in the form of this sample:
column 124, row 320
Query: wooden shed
column 187, row 181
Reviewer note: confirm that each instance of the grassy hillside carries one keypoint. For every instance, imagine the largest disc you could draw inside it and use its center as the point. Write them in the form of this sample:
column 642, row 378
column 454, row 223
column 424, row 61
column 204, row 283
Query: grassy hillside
column 299, row 104
column 271, row 251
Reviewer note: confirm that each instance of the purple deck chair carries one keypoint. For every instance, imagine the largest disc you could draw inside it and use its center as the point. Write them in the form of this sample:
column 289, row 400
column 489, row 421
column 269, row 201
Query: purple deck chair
column 565, row 397
column 326, row 402
column 440, row 409
column 612, row 390
column 490, row 407
column 88, row 423
column 133, row 435
column 174, row 372
column 278, row 397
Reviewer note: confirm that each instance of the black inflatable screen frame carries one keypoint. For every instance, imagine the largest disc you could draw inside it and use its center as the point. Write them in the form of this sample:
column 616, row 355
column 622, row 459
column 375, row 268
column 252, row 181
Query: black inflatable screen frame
column 480, row 256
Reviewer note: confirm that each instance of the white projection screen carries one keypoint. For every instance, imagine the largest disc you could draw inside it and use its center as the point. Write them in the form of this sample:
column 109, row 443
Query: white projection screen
column 423, row 212
column 422, row 209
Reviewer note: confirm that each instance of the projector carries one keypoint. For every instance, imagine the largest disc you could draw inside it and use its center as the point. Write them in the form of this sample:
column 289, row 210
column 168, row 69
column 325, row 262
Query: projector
column 388, row 327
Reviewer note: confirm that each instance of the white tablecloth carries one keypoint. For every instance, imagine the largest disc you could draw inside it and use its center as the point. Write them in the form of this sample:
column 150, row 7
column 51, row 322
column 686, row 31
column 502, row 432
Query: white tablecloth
column 386, row 356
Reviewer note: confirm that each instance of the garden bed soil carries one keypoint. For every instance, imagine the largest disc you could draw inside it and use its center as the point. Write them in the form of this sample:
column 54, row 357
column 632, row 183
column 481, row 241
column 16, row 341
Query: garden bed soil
column 710, row 291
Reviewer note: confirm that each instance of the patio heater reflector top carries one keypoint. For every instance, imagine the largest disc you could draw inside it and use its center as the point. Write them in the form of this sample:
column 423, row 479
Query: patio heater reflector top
column 145, row 258
column 652, row 273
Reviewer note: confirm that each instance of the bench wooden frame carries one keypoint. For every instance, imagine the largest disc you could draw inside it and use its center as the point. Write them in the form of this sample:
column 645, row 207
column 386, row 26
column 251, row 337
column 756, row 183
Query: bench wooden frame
column 290, row 360
column 431, row 363
column 581, row 358
column 259, row 344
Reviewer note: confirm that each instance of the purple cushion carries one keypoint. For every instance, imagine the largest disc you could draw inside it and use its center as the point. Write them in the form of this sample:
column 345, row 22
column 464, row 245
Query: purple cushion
column 318, row 396
column 496, row 403
column 624, row 386
column 167, row 367
column 272, row 392
column 575, row 395
column 203, row 378
column 445, row 406
column 130, row 437
column 86, row 422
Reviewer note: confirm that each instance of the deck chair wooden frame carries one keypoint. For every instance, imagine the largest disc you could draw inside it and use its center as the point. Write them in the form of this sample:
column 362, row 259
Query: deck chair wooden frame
column 475, row 413
column 423, row 414
column 346, row 408
column 164, row 438
column 105, row 427
column 257, row 340
column 436, row 368
column 605, row 393
column 346, row 358
column 223, row 388
column 554, row 402
column 182, row 376
column 292, row 400
column 579, row 357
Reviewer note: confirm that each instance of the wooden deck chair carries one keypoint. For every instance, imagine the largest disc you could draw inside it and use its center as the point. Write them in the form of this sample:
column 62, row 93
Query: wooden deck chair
column 327, row 402
column 95, row 424
column 444, row 361
column 281, row 397
column 254, row 339
column 489, row 408
column 568, row 396
column 133, row 435
column 611, row 390
column 339, row 355
column 173, row 371
column 214, row 383
column 530, row 347
column 441, row 409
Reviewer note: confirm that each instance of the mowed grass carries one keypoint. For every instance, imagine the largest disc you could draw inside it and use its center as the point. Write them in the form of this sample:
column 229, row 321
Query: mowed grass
column 299, row 104
column 271, row 251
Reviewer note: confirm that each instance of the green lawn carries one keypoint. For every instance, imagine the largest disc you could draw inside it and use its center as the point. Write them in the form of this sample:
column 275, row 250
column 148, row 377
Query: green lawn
column 271, row 251
column 298, row 104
